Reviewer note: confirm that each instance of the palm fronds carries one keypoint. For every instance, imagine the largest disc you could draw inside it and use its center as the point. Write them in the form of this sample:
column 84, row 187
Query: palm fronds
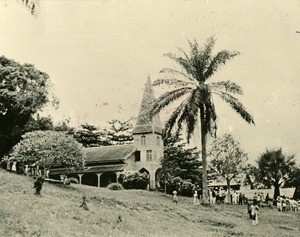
column 168, row 97
column 237, row 106
column 227, row 86
column 31, row 5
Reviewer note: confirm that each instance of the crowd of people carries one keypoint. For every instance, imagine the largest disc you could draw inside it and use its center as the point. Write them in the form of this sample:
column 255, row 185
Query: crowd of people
column 287, row 204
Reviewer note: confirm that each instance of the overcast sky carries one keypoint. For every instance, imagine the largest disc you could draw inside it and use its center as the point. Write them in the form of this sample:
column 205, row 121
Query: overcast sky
column 99, row 53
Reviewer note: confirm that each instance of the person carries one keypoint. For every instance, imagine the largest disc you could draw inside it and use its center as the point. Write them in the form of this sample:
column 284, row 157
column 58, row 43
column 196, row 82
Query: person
column 254, row 212
column 267, row 199
column 283, row 204
column 175, row 198
column 38, row 184
column 249, row 209
column 47, row 173
column 279, row 203
column 196, row 201
column 240, row 199
column 83, row 203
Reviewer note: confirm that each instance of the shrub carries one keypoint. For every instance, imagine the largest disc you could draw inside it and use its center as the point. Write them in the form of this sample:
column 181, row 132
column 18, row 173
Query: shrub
column 73, row 180
column 115, row 186
column 135, row 180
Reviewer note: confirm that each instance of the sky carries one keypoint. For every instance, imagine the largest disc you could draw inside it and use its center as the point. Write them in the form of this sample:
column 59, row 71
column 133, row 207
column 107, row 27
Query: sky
column 98, row 55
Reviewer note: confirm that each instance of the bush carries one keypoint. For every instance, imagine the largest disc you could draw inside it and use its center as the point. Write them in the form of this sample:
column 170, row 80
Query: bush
column 135, row 180
column 73, row 180
column 183, row 187
column 115, row 186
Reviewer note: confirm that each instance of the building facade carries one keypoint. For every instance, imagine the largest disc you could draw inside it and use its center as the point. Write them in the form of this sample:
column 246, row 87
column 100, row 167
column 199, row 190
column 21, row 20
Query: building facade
column 104, row 164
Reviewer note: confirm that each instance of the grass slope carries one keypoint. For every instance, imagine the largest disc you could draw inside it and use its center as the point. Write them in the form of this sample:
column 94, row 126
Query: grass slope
column 143, row 213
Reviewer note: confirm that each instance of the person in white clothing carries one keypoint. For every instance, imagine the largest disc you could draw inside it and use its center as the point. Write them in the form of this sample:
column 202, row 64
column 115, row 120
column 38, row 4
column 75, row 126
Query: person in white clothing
column 196, row 201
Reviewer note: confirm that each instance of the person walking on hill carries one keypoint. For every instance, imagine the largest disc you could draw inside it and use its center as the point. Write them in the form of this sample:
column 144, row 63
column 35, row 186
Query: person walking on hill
column 174, row 197
column 254, row 212
column 83, row 203
column 38, row 184
column 196, row 201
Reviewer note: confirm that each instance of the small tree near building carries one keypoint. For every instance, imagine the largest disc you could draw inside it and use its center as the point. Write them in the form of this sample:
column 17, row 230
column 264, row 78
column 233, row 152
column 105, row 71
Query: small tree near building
column 228, row 159
column 48, row 148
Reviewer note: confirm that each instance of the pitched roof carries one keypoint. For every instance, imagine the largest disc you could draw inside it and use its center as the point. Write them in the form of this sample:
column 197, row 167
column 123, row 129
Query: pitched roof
column 145, row 123
column 92, row 169
column 108, row 153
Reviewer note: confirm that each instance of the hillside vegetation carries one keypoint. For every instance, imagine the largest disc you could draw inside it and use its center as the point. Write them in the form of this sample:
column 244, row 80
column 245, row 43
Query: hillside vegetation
column 124, row 213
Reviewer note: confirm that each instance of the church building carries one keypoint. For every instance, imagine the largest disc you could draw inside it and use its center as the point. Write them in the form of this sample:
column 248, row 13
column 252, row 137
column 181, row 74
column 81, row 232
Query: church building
column 104, row 164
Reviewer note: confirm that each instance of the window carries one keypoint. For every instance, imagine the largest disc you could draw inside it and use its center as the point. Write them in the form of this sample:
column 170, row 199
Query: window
column 149, row 155
column 158, row 141
column 143, row 140
column 137, row 156
column 154, row 155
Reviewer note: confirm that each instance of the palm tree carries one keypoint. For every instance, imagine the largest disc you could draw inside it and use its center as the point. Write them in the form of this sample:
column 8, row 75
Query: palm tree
column 31, row 5
column 275, row 168
column 197, row 103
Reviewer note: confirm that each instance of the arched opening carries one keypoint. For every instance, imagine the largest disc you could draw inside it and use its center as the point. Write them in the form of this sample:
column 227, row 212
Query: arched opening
column 55, row 176
column 90, row 179
column 143, row 170
column 107, row 178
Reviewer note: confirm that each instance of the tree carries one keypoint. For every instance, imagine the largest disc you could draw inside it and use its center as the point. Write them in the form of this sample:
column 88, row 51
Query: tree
column 178, row 163
column 197, row 103
column 88, row 136
column 31, row 5
column 48, row 148
column 294, row 181
column 64, row 126
column 275, row 168
column 38, row 123
column 228, row 159
column 24, row 91
column 250, row 179
column 120, row 132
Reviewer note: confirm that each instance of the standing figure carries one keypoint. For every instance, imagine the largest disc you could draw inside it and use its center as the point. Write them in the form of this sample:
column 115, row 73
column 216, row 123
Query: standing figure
column 196, row 201
column 38, row 184
column 175, row 198
column 254, row 212
column 83, row 203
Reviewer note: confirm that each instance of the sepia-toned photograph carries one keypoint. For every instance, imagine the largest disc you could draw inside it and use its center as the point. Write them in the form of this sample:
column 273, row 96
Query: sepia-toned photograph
column 149, row 118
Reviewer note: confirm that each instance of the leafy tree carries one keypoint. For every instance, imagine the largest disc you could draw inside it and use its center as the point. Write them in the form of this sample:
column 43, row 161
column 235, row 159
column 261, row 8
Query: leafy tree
column 48, row 148
column 250, row 179
column 228, row 158
column 24, row 91
column 64, row 126
column 120, row 132
column 191, row 84
column 88, row 136
column 39, row 123
column 178, row 162
column 275, row 168
column 294, row 181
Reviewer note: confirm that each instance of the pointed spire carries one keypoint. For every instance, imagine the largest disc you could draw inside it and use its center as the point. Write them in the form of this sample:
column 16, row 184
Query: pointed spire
column 145, row 123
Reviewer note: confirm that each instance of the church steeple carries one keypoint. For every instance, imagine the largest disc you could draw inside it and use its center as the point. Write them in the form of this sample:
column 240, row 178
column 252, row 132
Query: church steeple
column 145, row 123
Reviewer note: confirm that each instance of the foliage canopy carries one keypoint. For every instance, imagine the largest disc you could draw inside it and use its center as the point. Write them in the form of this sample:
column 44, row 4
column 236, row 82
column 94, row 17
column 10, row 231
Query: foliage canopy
column 190, row 83
column 48, row 148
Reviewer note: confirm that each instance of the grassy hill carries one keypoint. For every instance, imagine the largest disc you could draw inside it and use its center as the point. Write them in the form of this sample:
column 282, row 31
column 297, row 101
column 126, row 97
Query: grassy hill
column 143, row 213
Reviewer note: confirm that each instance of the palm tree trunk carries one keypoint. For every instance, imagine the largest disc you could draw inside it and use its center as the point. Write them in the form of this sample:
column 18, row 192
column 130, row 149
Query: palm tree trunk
column 204, row 162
